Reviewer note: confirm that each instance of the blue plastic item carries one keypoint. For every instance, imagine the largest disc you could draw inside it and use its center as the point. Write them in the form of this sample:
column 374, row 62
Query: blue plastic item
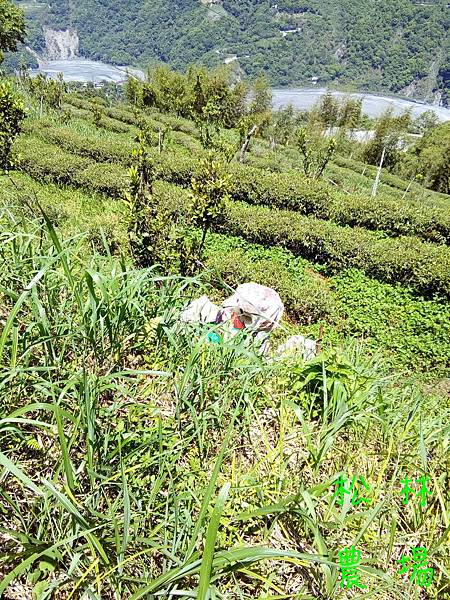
column 213, row 337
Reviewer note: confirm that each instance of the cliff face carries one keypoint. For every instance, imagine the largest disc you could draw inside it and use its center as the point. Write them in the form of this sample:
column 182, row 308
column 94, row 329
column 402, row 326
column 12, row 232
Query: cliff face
column 61, row 44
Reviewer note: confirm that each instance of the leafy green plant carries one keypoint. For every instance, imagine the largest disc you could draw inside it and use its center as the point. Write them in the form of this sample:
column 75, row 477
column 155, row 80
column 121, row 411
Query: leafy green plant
column 209, row 194
column 316, row 153
column 12, row 27
column 137, row 464
column 12, row 113
column 48, row 91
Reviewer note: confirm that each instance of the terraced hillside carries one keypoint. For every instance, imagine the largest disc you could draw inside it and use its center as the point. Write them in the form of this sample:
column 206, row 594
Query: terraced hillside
column 391, row 245
column 139, row 460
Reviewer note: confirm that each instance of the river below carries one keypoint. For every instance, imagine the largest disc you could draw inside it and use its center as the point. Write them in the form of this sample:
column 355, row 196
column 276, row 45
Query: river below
column 372, row 104
column 83, row 70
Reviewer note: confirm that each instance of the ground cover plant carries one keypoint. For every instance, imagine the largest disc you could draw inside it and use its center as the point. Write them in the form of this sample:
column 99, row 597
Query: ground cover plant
column 149, row 432
column 140, row 460
column 390, row 319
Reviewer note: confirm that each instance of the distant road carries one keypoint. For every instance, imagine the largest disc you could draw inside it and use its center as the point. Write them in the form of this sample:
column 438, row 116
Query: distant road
column 374, row 106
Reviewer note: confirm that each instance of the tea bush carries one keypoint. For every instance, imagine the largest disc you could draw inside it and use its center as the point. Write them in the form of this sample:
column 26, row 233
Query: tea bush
column 282, row 190
column 306, row 295
column 294, row 192
column 45, row 162
column 152, row 117
column 103, row 178
column 423, row 266
column 95, row 147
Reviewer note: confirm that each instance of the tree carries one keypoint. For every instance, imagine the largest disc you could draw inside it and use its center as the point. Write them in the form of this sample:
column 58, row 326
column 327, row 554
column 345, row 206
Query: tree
column 329, row 110
column 424, row 122
column 317, row 152
column 247, row 130
column 134, row 92
column 97, row 113
column 12, row 27
column 47, row 90
column 12, row 113
column 260, row 108
column 282, row 126
column 433, row 158
column 199, row 96
column 261, row 95
column 350, row 113
column 389, row 133
column 210, row 190
column 150, row 229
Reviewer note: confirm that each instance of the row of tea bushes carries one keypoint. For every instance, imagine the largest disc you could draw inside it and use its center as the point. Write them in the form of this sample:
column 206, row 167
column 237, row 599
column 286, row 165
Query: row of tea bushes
column 407, row 260
column 173, row 167
column 114, row 149
column 424, row 266
column 153, row 118
column 282, row 190
column 421, row 266
column 106, row 123
column 292, row 191
column 46, row 162
column 393, row 181
column 288, row 191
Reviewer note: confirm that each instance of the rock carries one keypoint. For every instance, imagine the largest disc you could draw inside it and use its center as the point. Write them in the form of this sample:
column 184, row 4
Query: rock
column 297, row 344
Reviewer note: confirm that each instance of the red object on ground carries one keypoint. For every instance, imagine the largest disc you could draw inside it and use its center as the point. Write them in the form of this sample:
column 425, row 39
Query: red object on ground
column 237, row 323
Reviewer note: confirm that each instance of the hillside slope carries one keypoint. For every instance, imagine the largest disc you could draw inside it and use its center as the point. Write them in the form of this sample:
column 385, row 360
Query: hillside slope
column 392, row 45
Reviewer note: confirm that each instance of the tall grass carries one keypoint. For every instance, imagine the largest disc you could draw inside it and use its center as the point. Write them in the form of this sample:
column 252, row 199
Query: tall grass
column 139, row 461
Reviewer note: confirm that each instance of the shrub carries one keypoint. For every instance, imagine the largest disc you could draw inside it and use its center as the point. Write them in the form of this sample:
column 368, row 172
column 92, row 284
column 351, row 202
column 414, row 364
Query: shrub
column 294, row 192
column 104, row 178
column 95, row 147
column 46, row 162
column 12, row 112
column 288, row 190
column 423, row 266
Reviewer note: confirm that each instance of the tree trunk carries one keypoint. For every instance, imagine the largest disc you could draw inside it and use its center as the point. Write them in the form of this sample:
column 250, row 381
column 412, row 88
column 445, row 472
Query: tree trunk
column 377, row 180
column 246, row 143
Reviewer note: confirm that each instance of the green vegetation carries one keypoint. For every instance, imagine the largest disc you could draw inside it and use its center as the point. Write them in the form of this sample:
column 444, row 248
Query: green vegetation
column 431, row 156
column 139, row 460
column 12, row 27
column 389, row 45
column 12, row 31
column 175, row 464
column 12, row 113
column 283, row 190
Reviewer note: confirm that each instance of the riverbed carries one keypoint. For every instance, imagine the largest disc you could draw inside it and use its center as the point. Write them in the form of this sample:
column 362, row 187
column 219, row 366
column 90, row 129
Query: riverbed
column 373, row 105
column 87, row 71
column 84, row 70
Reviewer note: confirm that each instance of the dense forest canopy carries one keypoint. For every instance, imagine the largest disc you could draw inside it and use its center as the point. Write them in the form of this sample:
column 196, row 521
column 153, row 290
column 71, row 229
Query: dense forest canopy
column 393, row 45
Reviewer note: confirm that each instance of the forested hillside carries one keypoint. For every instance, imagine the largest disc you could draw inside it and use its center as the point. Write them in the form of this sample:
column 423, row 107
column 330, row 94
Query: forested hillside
column 393, row 45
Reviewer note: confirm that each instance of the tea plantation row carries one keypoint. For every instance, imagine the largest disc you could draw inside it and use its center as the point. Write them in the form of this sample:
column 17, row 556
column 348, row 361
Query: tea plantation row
column 289, row 190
